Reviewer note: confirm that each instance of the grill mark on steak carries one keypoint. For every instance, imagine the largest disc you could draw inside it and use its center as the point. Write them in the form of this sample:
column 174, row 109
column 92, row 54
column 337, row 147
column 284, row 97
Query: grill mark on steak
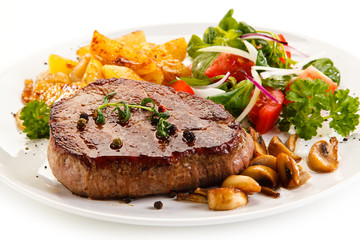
column 84, row 162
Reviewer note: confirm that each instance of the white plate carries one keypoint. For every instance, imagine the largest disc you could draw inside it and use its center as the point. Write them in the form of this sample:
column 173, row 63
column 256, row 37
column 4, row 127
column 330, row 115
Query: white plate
column 27, row 171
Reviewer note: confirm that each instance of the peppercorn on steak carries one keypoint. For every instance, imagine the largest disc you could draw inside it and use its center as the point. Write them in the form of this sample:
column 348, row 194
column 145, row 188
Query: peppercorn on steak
column 118, row 138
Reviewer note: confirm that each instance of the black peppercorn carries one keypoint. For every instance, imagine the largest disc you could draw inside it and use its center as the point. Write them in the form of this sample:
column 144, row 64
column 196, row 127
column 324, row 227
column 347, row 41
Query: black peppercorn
column 81, row 123
column 116, row 143
column 188, row 136
column 172, row 194
column 158, row 205
column 127, row 200
column 84, row 116
column 172, row 129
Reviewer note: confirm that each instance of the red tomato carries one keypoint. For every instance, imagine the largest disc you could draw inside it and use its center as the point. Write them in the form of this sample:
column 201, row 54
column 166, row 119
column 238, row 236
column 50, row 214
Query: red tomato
column 181, row 86
column 266, row 111
column 225, row 62
column 288, row 53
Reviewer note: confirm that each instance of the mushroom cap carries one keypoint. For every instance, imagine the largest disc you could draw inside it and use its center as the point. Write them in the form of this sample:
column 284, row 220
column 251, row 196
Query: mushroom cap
column 323, row 156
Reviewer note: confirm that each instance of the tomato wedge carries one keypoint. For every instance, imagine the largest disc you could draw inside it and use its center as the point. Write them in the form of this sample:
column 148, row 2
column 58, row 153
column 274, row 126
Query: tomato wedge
column 313, row 73
column 182, row 86
column 238, row 66
column 266, row 111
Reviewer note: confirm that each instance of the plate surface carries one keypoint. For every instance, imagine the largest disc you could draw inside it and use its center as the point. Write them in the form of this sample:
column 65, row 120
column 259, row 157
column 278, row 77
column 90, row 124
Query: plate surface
column 23, row 163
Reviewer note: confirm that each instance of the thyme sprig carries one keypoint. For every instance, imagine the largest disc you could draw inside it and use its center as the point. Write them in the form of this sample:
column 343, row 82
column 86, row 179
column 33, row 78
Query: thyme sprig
column 164, row 128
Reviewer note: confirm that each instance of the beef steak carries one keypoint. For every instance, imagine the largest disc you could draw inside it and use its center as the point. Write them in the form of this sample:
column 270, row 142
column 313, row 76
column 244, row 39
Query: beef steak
column 83, row 161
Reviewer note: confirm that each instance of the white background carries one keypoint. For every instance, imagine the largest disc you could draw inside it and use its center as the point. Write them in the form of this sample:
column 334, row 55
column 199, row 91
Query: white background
column 29, row 26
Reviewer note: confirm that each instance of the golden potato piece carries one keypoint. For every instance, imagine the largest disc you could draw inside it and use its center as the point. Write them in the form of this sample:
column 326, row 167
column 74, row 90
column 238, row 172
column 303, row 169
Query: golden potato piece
column 49, row 91
column 78, row 72
column 170, row 67
column 60, row 64
column 112, row 52
column 110, row 71
column 133, row 39
column 81, row 52
column 177, row 48
column 156, row 76
column 93, row 71
column 28, row 89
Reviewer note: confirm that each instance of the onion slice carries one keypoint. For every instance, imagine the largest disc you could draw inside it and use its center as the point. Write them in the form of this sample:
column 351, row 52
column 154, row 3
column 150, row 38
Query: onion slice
column 207, row 92
column 227, row 49
column 214, row 85
column 267, row 38
column 261, row 36
column 252, row 50
column 253, row 98
column 271, row 71
column 258, row 85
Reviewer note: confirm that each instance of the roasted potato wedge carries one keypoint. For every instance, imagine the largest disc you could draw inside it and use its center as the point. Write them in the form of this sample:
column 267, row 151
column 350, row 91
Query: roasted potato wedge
column 93, row 71
column 110, row 71
column 60, row 64
column 132, row 39
column 177, row 48
column 170, row 67
column 112, row 52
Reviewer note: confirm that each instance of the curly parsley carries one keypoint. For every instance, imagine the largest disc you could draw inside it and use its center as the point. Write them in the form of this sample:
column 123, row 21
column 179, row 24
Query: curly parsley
column 35, row 116
column 311, row 105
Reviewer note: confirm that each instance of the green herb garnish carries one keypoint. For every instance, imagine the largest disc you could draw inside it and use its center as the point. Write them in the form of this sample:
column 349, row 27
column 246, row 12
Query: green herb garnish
column 164, row 128
column 35, row 116
column 311, row 105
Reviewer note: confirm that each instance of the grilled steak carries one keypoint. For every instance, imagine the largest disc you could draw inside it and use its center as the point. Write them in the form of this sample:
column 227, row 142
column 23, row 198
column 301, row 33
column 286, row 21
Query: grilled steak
column 83, row 161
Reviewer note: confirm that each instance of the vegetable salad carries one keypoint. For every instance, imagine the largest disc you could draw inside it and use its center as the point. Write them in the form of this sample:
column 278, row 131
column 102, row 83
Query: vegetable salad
column 252, row 73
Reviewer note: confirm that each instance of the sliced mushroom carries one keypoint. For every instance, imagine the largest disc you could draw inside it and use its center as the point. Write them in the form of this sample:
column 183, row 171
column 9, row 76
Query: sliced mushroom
column 291, row 142
column 276, row 146
column 260, row 146
column 304, row 177
column 266, row 160
column 191, row 197
column 269, row 192
column 323, row 156
column 201, row 191
column 226, row 198
column 243, row 183
column 265, row 176
column 288, row 170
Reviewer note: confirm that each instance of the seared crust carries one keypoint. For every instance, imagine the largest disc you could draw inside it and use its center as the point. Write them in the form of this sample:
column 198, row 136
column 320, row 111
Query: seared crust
column 84, row 162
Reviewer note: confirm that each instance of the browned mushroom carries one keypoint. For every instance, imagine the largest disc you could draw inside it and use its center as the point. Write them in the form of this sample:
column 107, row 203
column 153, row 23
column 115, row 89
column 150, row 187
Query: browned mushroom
column 291, row 174
column 226, row 198
column 201, row 191
column 266, row 160
column 304, row 177
column 265, row 176
column 276, row 146
column 244, row 183
column 288, row 170
column 269, row 192
column 260, row 146
column 323, row 156
column 291, row 142
column 191, row 197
